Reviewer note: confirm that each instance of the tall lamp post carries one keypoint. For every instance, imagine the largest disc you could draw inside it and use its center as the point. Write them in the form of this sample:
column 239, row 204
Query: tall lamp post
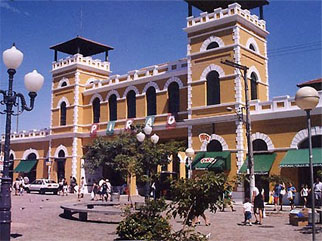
column 190, row 152
column 307, row 99
column 154, row 139
column 12, row 59
column 248, row 126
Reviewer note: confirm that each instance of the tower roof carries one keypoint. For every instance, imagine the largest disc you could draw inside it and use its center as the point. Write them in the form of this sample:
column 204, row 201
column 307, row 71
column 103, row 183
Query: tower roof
column 210, row 5
column 80, row 45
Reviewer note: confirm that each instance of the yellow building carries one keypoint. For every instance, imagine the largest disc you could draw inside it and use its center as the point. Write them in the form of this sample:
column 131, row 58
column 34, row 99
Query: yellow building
column 189, row 99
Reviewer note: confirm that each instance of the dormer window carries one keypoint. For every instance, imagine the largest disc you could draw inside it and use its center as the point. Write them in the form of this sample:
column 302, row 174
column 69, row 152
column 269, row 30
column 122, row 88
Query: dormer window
column 213, row 45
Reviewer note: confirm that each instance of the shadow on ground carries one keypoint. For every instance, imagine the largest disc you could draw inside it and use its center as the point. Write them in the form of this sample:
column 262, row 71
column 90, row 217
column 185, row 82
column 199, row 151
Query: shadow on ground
column 88, row 221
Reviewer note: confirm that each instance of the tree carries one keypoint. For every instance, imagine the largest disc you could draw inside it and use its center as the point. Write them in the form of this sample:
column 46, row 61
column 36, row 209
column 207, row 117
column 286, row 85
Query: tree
column 125, row 154
column 191, row 197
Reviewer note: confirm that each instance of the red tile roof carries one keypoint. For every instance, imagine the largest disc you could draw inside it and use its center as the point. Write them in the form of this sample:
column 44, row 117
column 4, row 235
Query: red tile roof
column 310, row 82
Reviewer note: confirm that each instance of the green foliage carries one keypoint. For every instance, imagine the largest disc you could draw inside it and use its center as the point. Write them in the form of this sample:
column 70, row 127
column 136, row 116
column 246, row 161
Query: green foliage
column 125, row 154
column 191, row 197
column 277, row 179
column 187, row 235
column 319, row 173
column 147, row 224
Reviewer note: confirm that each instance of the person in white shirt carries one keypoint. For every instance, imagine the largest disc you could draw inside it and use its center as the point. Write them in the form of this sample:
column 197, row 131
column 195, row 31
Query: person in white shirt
column 247, row 212
column 317, row 188
column 304, row 194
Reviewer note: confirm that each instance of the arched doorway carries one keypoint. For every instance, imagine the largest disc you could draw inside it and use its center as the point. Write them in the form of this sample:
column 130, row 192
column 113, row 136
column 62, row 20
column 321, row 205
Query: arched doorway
column 61, row 160
column 32, row 174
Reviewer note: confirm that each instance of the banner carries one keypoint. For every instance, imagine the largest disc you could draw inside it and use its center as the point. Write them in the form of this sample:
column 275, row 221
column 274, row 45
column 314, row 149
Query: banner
column 94, row 130
column 171, row 121
column 149, row 120
column 128, row 125
column 110, row 128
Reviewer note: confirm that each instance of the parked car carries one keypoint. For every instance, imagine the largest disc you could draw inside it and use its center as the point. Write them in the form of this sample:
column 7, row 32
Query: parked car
column 42, row 186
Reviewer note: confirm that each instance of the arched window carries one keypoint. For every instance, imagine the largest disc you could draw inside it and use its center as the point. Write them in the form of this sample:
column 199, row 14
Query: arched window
column 63, row 112
column 174, row 98
column 96, row 110
column 253, row 86
column 31, row 156
column 316, row 142
column 131, row 104
column 61, row 165
column 252, row 47
column 213, row 45
column 64, row 84
column 151, row 101
column 213, row 88
column 61, row 153
column 214, row 146
column 112, row 102
column 259, row 145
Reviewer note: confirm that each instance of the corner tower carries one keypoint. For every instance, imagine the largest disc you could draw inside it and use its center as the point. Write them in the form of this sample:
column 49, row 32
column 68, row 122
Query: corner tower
column 234, row 34
column 69, row 77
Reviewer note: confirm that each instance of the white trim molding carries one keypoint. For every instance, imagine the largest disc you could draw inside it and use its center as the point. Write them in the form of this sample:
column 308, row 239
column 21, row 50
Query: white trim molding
column 252, row 41
column 112, row 92
column 129, row 88
column 63, row 99
column 96, row 96
column 265, row 138
column 148, row 85
column 64, row 79
column 173, row 79
column 210, row 68
column 251, row 70
column 61, row 148
column 221, row 140
column 302, row 135
column 30, row 151
column 210, row 40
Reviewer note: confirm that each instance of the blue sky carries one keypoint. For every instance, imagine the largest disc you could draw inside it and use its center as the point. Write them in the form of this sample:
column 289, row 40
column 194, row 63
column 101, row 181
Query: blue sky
column 144, row 33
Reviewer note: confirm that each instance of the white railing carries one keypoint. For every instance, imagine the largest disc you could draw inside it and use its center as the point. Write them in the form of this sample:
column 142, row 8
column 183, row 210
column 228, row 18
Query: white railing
column 219, row 13
column 79, row 59
column 280, row 103
column 133, row 75
column 27, row 134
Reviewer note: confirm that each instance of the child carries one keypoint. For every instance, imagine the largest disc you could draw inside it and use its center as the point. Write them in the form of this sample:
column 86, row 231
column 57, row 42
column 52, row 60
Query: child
column 247, row 212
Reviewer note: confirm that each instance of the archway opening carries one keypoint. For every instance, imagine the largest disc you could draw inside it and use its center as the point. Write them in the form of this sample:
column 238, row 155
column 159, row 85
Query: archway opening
column 33, row 172
column 214, row 146
column 61, row 161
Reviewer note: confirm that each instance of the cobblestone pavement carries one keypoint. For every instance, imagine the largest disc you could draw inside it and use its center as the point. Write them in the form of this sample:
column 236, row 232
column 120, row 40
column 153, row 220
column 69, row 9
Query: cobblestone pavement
column 38, row 218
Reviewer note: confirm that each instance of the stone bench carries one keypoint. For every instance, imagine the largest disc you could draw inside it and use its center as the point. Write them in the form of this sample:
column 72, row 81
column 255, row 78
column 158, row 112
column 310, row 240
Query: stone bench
column 94, row 207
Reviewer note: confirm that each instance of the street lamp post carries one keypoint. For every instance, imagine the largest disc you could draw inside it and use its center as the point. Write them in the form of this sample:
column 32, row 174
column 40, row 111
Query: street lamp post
column 307, row 98
column 190, row 152
column 248, row 126
column 12, row 59
column 154, row 139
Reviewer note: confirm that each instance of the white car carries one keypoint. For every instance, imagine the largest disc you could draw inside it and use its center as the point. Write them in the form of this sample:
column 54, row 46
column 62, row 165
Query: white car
column 42, row 186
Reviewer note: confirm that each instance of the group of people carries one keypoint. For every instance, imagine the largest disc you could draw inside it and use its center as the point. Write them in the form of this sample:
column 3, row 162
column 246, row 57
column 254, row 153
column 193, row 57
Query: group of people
column 101, row 190
column 63, row 187
column 280, row 190
column 19, row 185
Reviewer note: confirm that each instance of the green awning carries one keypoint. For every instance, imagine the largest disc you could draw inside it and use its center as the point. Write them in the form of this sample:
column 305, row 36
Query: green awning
column 212, row 161
column 25, row 166
column 262, row 163
column 300, row 158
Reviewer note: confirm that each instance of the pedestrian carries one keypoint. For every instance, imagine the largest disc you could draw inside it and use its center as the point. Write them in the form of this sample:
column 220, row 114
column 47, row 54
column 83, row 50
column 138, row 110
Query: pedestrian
column 291, row 190
column 276, row 194
column 247, row 207
column 282, row 193
column 258, row 201
column 60, row 187
column 65, row 187
column 100, row 184
column 21, row 186
column 95, row 191
column 304, row 194
column 108, row 190
column 72, row 184
column 16, row 186
column 104, row 194
column 81, row 189
column 228, row 199
column 317, row 188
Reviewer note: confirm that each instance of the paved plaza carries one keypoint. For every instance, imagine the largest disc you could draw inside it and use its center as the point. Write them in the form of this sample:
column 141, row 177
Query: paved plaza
column 39, row 217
